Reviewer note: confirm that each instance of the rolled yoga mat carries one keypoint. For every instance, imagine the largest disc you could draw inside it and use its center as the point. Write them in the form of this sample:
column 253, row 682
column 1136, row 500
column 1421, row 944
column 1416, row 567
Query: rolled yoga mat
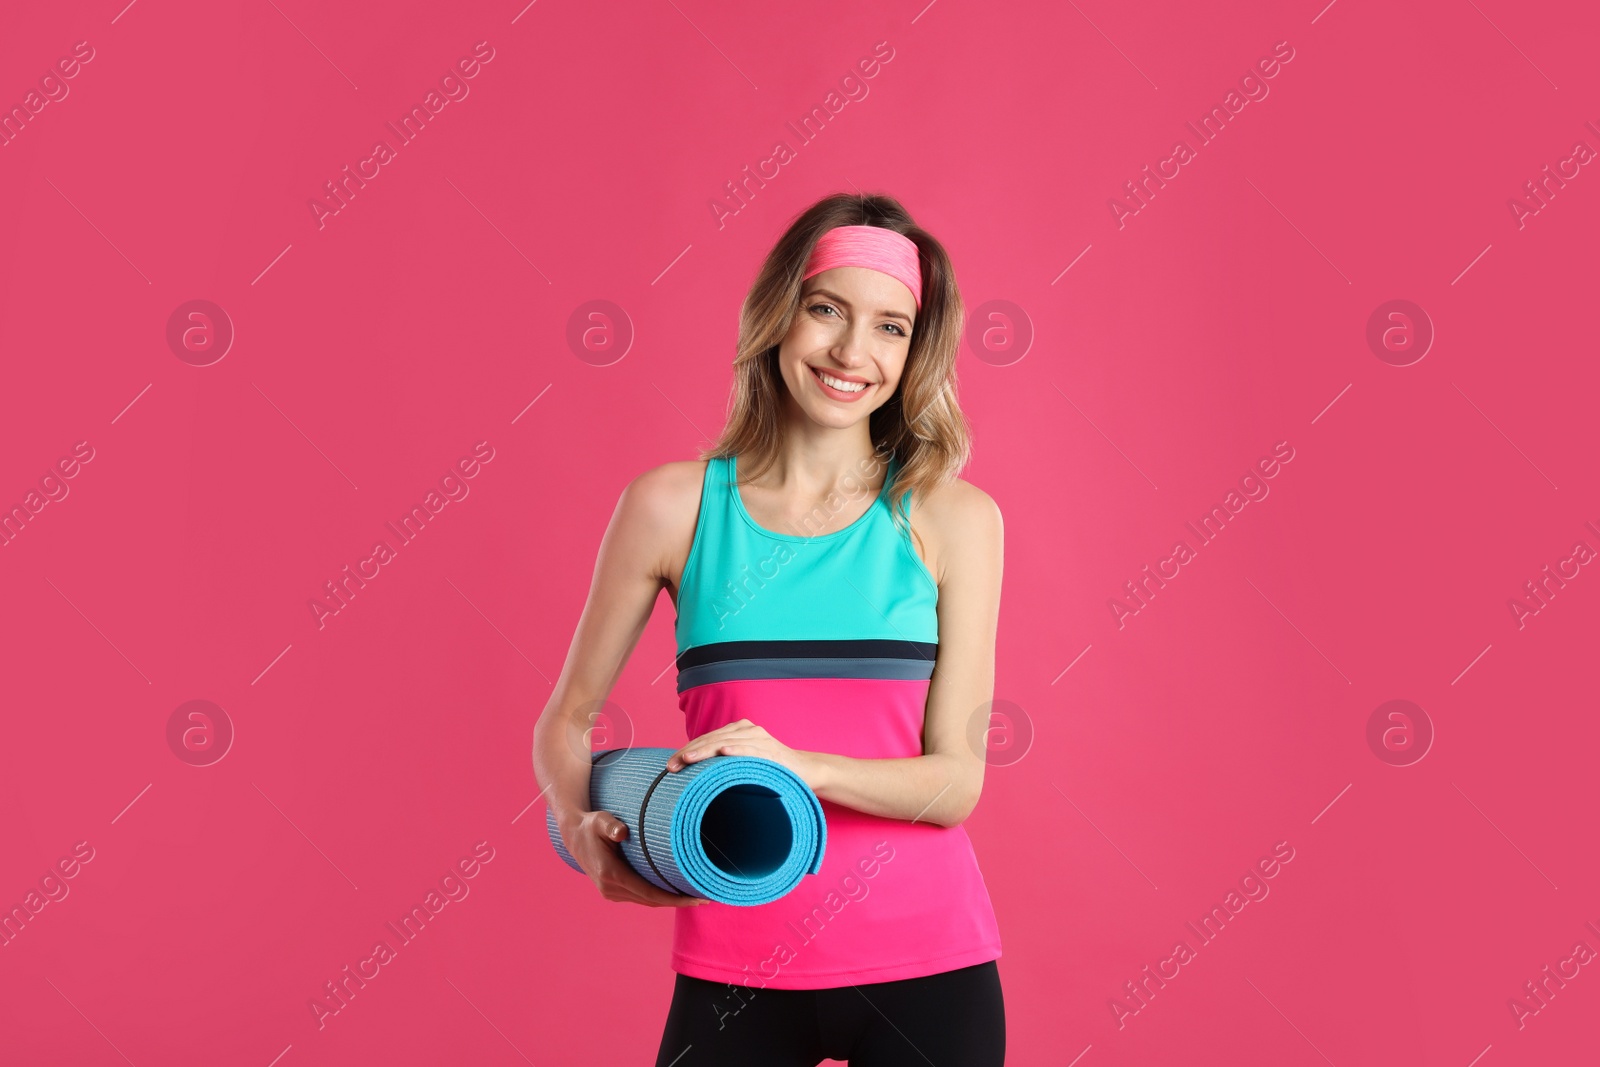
column 739, row 830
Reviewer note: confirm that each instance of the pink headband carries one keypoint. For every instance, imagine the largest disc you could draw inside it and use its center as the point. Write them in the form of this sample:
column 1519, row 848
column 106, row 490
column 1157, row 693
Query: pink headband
column 873, row 247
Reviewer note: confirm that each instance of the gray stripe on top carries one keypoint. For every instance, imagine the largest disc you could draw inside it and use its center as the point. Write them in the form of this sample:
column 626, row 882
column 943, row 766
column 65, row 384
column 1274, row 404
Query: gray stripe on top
column 831, row 667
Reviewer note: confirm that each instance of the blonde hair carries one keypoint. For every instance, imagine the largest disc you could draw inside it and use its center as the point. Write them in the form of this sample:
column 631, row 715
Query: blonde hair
column 921, row 424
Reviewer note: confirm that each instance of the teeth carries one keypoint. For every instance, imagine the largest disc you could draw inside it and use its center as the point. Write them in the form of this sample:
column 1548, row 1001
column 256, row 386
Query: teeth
column 842, row 386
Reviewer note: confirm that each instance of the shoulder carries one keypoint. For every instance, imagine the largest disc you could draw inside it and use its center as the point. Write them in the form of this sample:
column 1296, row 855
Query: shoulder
column 665, row 495
column 960, row 521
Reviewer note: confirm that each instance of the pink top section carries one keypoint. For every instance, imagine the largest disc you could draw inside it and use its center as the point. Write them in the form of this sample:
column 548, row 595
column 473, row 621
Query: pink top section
column 894, row 899
column 873, row 247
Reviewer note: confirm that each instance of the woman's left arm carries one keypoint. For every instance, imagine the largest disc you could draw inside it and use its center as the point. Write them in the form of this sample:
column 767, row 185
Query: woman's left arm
column 943, row 784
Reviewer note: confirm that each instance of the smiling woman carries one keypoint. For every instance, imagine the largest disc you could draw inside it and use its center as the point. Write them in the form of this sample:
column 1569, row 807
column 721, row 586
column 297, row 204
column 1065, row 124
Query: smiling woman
column 858, row 666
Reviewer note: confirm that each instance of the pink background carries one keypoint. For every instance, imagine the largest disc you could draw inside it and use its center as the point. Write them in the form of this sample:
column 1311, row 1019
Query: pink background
column 1230, row 313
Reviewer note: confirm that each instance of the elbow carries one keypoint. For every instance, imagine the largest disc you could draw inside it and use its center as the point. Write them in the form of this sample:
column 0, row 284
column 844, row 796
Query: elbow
column 959, row 809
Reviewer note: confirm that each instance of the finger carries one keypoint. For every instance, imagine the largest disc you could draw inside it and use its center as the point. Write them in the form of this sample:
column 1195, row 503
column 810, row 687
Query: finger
column 655, row 895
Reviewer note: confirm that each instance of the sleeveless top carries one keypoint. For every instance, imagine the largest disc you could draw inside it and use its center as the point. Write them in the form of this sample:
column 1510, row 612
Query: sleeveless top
column 827, row 639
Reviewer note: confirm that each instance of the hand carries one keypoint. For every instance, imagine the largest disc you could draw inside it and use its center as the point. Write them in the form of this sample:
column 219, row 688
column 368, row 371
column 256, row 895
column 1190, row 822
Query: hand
column 592, row 841
column 745, row 738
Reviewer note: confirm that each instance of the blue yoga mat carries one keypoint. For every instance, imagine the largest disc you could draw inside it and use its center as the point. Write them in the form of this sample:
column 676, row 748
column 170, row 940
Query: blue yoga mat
column 739, row 830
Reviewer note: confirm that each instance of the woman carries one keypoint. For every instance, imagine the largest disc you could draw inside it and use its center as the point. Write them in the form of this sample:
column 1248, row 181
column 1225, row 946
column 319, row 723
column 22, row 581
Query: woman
column 837, row 592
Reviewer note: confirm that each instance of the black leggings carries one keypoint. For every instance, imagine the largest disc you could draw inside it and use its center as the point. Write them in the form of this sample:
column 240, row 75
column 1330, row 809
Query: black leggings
column 952, row 1019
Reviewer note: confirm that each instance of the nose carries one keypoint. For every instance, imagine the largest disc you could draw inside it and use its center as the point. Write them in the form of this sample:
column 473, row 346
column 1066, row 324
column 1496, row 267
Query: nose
column 853, row 346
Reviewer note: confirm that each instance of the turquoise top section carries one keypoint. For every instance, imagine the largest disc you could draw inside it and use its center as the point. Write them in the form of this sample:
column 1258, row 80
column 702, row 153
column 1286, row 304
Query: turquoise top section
column 743, row 582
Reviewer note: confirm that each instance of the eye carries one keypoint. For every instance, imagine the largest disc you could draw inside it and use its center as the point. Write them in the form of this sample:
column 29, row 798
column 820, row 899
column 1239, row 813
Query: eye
column 815, row 307
column 898, row 331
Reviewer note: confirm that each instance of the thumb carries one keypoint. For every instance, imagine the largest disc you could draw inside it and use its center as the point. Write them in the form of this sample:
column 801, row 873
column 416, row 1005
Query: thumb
column 616, row 829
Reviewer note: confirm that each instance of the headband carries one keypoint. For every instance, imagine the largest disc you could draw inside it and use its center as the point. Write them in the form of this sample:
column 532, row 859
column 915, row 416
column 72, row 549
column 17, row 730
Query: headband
column 873, row 247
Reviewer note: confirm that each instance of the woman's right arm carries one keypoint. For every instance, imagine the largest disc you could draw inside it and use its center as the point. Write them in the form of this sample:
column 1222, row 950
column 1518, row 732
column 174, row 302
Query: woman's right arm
column 632, row 566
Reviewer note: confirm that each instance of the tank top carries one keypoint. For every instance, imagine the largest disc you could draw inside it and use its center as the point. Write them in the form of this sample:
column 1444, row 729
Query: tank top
column 827, row 639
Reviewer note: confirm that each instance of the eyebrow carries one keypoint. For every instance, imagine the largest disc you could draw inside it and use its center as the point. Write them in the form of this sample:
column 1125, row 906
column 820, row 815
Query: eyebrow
column 885, row 313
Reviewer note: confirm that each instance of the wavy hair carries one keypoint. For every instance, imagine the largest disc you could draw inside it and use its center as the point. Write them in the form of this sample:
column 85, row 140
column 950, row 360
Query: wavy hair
column 921, row 424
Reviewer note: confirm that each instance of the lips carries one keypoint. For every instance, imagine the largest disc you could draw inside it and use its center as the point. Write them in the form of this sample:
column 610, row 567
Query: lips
column 839, row 394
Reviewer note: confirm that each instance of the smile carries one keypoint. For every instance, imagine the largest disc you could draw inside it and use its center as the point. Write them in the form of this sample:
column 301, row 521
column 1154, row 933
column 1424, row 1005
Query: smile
column 838, row 388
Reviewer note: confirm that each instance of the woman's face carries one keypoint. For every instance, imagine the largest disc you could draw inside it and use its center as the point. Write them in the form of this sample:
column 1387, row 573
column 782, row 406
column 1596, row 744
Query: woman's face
column 854, row 325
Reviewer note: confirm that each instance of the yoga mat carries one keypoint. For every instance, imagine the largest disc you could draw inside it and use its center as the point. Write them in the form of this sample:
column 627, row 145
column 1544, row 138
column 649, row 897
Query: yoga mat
column 739, row 830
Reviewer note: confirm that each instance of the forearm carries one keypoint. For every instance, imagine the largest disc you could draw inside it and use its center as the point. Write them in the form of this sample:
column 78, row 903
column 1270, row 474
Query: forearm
column 932, row 788
column 559, row 763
